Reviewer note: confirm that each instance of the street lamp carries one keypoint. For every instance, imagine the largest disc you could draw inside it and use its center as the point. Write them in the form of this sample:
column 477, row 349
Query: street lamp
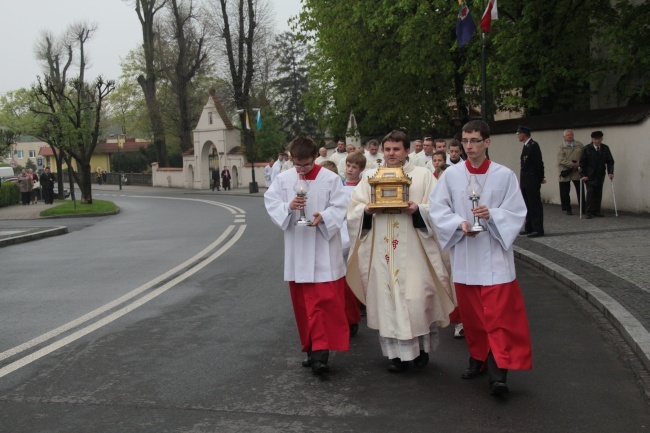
column 120, row 143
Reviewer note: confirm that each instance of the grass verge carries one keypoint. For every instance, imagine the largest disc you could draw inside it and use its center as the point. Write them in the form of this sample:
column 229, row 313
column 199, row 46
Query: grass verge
column 67, row 207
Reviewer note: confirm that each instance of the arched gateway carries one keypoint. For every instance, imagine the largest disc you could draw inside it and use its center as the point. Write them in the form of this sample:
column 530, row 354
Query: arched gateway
column 217, row 143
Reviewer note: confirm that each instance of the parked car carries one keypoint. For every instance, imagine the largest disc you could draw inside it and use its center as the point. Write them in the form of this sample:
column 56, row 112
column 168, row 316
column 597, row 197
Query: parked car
column 66, row 191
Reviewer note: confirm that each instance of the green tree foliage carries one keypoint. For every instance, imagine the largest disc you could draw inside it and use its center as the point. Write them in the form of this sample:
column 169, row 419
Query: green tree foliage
column 390, row 63
column 291, row 85
column 134, row 162
column 397, row 64
column 539, row 54
column 626, row 50
column 271, row 139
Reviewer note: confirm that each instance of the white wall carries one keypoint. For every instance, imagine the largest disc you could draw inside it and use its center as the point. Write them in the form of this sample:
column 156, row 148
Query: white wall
column 167, row 177
column 629, row 146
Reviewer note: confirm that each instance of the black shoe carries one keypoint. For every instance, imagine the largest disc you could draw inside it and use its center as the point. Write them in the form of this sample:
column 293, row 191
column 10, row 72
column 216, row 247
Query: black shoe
column 397, row 365
column 599, row 215
column 354, row 329
column 569, row 212
column 498, row 388
column 476, row 368
column 422, row 360
column 536, row 234
column 307, row 362
column 319, row 367
column 524, row 232
column 588, row 216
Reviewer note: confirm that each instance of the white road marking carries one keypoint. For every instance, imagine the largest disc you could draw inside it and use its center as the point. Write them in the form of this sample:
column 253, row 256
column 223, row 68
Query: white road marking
column 91, row 315
column 119, row 313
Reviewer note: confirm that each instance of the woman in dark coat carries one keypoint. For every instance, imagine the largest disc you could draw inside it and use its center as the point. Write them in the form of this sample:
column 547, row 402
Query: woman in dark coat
column 225, row 178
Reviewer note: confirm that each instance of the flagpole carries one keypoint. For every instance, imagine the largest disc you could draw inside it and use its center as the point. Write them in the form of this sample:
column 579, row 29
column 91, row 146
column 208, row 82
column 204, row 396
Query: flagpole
column 483, row 74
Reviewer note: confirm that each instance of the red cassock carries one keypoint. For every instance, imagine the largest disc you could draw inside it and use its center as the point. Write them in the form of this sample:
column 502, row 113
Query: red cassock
column 494, row 318
column 320, row 315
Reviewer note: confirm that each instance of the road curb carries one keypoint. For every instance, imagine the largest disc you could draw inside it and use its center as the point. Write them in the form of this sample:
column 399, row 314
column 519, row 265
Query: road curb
column 84, row 215
column 633, row 332
column 45, row 233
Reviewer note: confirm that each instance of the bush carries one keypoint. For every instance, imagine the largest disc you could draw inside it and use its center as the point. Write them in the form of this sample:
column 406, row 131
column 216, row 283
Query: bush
column 9, row 194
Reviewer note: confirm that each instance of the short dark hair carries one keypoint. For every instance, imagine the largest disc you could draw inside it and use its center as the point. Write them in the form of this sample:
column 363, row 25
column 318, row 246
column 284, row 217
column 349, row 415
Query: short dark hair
column 303, row 148
column 358, row 159
column 396, row 136
column 478, row 126
column 456, row 143
column 439, row 152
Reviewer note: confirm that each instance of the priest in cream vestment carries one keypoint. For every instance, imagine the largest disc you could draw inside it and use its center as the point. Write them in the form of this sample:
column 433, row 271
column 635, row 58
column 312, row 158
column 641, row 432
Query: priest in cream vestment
column 396, row 265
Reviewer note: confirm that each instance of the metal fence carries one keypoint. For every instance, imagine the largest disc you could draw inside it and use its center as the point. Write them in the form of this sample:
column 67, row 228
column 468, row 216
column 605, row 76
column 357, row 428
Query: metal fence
column 113, row 178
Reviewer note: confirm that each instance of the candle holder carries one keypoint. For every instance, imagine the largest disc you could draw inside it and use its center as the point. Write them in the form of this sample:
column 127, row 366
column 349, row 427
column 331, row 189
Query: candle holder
column 475, row 197
column 301, row 188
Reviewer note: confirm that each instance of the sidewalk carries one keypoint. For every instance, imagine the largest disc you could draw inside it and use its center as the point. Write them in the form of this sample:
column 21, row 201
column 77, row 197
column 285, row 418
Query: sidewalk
column 606, row 260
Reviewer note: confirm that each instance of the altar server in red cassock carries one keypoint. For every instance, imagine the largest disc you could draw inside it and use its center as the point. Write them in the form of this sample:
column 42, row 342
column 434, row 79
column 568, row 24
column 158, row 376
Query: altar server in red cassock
column 313, row 255
column 489, row 298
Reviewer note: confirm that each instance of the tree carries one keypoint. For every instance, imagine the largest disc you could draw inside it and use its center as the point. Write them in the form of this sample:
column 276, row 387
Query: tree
column 147, row 10
column 625, row 52
column 385, row 62
column 291, row 85
column 7, row 138
column 72, row 108
column 188, row 56
column 238, row 42
column 396, row 64
column 270, row 139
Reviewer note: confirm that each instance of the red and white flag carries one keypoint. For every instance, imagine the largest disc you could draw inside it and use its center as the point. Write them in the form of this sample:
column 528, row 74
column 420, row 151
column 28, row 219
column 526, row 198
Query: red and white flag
column 491, row 13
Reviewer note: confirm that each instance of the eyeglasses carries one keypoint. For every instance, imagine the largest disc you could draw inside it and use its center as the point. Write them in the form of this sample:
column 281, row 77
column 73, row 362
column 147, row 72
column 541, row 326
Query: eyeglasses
column 304, row 165
column 473, row 140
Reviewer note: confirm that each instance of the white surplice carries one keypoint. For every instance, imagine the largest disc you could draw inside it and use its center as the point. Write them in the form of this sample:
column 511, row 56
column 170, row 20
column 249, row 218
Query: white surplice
column 276, row 169
column 374, row 161
column 311, row 254
column 398, row 271
column 488, row 258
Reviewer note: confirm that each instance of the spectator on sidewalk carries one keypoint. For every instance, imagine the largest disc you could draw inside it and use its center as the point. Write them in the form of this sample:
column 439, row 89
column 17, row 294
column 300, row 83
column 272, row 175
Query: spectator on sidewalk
column 225, row 178
column 596, row 159
column 531, row 179
column 568, row 158
column 25, row 187
column 47, row 186
column 216, row 179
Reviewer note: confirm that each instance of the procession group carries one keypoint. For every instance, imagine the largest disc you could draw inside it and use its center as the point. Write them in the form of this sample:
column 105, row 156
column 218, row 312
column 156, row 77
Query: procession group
column 416, row 270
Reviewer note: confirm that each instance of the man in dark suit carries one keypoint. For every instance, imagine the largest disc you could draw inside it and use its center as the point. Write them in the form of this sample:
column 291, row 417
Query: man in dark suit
column 596, row 157
column 531, row 179
column 47, row 183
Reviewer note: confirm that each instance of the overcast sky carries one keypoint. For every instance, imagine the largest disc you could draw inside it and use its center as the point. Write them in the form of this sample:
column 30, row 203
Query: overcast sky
column 118, row 32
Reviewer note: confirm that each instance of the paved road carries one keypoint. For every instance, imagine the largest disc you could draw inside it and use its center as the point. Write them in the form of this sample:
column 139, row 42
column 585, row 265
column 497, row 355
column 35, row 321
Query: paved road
column 218, row 352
